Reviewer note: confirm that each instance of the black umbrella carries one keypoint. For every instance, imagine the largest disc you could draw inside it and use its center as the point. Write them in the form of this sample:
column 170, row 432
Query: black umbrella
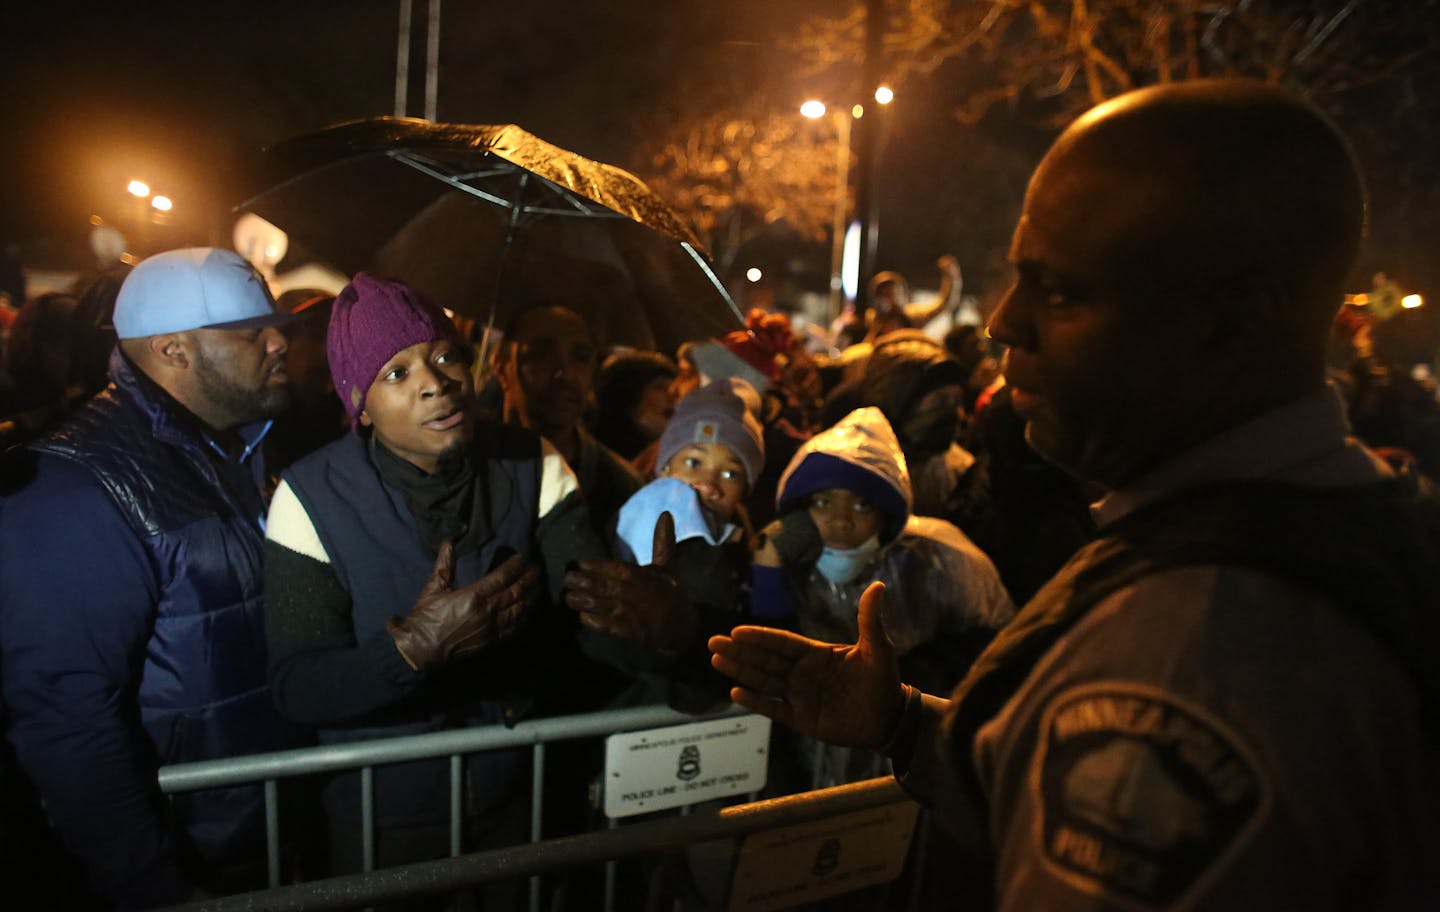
column 487, row 220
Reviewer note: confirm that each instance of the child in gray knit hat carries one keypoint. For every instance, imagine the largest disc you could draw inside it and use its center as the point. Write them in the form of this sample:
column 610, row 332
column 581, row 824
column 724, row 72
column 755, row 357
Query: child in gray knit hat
column 708, row 458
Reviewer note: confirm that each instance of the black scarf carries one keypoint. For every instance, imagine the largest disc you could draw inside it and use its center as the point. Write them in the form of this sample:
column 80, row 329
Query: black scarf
column 444, row 504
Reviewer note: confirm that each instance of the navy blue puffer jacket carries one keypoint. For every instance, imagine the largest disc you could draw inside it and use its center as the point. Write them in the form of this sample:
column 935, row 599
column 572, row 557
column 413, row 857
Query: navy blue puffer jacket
column 189, row 620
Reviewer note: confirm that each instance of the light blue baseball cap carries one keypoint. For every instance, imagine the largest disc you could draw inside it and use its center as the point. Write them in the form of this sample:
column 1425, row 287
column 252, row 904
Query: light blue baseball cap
column 194, row 288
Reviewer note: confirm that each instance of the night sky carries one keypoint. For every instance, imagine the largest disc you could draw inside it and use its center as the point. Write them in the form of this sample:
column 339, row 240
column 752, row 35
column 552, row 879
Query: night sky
column 186, row 94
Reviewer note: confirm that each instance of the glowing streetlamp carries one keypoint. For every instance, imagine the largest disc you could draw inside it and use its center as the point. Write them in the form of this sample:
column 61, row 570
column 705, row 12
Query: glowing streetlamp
column 754, row 274
column 816, row 109
column 139, row 190
column 161, row 203
column 1411, row 301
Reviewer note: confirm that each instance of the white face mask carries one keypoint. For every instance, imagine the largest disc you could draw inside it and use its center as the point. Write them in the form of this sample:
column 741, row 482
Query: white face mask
column 843, row 566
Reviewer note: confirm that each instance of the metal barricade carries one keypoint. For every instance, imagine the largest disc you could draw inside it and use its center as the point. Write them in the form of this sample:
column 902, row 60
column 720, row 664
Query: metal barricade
column 532, row 859
column 357, row 890
column 269, row 768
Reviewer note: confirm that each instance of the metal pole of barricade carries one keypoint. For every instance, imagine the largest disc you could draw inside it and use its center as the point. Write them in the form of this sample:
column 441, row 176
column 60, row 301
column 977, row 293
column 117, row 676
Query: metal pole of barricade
column 367, row 818
column 610, row 873
column 255, row 768
column 537, row 809
column 684, row 812
column 272, row 831
column 457, row 785
column 457, row 779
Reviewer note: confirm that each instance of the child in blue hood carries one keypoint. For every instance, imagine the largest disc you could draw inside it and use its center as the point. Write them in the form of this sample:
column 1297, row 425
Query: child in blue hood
column 844, row 504
column 844, row 521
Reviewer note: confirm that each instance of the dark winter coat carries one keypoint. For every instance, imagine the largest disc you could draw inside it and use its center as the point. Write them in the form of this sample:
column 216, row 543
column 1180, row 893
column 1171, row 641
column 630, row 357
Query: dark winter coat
column 131, row 623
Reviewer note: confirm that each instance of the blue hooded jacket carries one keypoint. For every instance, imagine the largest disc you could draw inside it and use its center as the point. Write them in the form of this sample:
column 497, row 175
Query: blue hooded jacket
column 938, row 582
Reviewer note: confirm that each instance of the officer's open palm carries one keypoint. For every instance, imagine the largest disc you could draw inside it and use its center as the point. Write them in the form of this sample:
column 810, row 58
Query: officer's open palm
column 849, row 695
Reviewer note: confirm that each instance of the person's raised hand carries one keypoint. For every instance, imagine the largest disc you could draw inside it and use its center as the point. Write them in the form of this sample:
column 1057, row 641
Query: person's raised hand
column 640, row 604
column 446, row 622
column 949, row 265
column 848, row 695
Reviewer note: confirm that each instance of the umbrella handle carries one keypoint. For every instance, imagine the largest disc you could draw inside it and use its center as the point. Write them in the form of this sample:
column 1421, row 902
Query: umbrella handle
column 517, row 205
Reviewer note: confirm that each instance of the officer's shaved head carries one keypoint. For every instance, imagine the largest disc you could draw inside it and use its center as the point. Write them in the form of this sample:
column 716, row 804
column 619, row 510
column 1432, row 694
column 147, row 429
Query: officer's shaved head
column 1180, row 257
column 1245, row 182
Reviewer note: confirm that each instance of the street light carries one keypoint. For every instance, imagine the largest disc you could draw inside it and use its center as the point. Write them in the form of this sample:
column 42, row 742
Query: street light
column 139, row 212
column 147, row 207
column 815, row 109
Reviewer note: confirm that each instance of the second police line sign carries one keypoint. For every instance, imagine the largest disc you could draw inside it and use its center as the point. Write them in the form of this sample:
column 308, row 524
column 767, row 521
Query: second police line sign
column 684, row 764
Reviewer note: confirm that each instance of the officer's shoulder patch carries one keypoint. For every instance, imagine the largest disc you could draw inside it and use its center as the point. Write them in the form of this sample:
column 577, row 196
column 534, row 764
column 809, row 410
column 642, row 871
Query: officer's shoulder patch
column 1142, row 796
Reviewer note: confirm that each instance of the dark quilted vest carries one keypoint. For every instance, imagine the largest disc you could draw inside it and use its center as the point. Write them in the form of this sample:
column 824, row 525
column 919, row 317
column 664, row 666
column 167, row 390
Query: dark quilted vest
column 202, row 688
column 375, row 550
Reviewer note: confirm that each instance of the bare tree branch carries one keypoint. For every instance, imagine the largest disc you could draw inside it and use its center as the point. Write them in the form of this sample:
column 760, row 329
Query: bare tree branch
column 1034, row 49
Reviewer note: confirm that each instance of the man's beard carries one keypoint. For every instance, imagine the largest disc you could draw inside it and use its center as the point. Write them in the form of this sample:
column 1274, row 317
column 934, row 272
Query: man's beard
column 243, row 405
column 454, row 454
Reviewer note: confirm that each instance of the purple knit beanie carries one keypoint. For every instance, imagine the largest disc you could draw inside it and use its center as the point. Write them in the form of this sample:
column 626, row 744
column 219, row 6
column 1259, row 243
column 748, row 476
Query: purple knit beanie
column 373, row 319
column 716, row 413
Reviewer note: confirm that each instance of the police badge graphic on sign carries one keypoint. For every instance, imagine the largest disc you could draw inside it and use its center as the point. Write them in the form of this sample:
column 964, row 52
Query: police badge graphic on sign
column 689, row 766
column 1141, row 793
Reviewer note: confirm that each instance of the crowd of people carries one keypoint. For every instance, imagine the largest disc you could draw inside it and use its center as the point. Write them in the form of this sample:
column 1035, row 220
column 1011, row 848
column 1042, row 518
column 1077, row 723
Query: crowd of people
column 232, row 524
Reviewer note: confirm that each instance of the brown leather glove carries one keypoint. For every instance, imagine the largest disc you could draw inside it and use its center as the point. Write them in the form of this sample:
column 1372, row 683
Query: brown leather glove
column 641, row 604
column 446, row 622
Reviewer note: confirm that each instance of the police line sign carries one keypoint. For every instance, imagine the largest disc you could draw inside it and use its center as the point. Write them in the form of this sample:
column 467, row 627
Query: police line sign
column 785, row 867
column 684, row 764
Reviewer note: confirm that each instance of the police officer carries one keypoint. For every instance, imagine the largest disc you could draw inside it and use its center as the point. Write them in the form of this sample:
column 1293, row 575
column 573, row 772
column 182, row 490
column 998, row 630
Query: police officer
column 1225, row 701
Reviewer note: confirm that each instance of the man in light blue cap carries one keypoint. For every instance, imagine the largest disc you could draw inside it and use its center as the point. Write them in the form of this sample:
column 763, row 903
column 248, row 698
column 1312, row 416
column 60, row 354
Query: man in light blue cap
column 130, row 583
